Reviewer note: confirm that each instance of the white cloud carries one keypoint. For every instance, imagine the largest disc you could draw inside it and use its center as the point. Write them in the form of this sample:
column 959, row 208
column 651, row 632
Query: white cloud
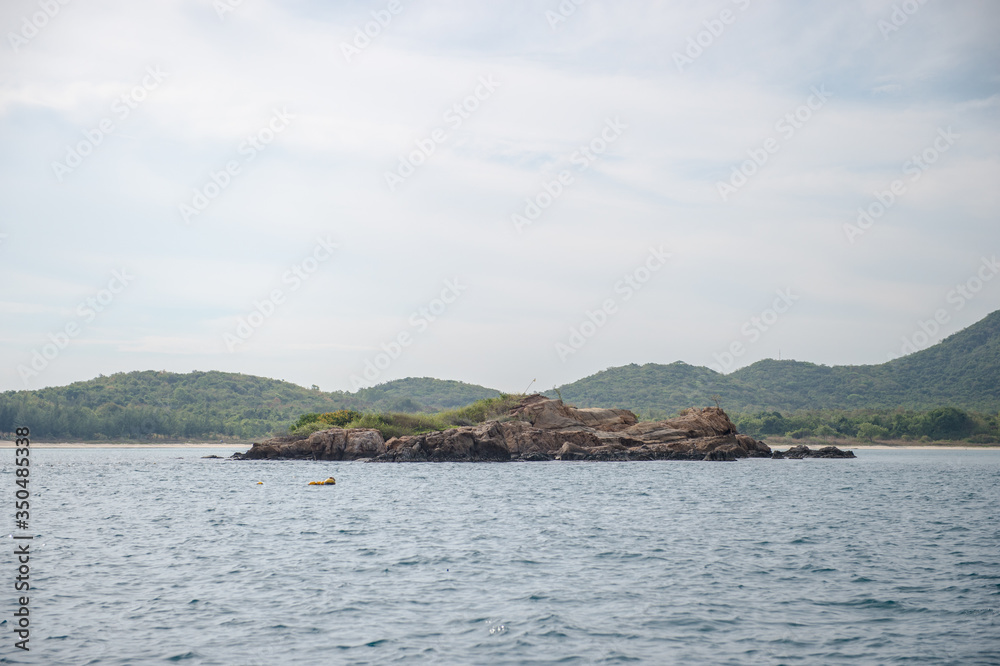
column 656, row 184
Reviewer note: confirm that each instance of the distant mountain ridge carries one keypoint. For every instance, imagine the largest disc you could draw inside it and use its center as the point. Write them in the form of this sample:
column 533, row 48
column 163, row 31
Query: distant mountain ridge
column 150, row 404
column 962, row 371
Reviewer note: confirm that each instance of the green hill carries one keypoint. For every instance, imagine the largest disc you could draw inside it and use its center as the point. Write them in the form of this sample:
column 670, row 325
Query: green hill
column 962, row 371
column 419, row 394
column 654, row 390
column 206, row 405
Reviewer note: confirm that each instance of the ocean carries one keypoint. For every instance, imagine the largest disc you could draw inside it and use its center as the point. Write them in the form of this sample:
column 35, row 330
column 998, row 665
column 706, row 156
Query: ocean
column 158, row 556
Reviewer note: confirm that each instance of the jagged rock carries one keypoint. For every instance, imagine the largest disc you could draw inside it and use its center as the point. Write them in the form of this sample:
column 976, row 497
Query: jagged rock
column 535, row 457
column 721, row 453
column 546, row 414
column 539, row 429
column 547, row 429
column 802, row 451
column 570, row 451
column 332, row 444
column 708, row 422
column 833, row 452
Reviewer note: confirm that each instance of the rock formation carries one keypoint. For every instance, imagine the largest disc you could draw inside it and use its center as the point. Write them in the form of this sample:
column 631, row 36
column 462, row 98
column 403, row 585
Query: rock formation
column 332, row 444
column 537, row 429
column 801, row 451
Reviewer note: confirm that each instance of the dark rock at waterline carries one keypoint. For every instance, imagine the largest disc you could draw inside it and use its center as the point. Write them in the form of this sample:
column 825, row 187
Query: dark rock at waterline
column 570, row 451
column 721, row 453
column 537, row 456
column 332, row 444
column 537, row 429
column 801, row 451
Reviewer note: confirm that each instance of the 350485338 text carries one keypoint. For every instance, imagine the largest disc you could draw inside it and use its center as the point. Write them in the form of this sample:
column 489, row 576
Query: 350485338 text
column 22, row 544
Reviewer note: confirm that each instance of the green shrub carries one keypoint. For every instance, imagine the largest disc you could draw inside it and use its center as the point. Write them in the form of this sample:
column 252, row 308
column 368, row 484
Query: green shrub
column 749, row 425
column 949, row 423
column 773, row 424
column 340, row 418
column 483, row 410
column 394, row 424
column 313, row 422
column 397, row 424
column 308, row 428
column 869, row 431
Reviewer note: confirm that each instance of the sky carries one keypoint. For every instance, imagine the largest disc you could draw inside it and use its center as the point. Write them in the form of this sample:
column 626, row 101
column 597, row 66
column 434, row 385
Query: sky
column 345, row 193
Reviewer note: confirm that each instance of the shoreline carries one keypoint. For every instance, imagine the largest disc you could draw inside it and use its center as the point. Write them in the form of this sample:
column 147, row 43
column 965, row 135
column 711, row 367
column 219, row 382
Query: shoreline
column 4, row 444
column 877, row 445
column 208, row 445
column 929, row 447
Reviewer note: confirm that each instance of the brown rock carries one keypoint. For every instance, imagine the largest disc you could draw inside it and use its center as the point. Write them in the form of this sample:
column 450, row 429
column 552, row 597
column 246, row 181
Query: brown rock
column 537, row 429
column 570, row 451
column 546, row 414
column 332, row 444
column 727, row 452
column 802, row 451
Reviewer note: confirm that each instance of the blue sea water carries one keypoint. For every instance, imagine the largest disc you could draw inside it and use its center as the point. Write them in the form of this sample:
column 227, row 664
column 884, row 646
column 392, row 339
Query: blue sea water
column 158, row 556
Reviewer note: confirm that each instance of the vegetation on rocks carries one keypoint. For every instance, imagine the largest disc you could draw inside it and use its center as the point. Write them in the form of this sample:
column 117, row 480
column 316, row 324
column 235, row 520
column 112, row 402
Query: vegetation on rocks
column 396, row 424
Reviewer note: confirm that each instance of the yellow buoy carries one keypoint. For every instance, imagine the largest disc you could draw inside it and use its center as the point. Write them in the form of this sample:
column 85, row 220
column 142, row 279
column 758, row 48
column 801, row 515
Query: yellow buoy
column 260, row 483
column 330, row 481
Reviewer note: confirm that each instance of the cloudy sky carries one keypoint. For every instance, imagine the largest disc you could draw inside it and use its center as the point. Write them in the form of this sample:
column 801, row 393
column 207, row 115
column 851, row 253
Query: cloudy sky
column 344, row 193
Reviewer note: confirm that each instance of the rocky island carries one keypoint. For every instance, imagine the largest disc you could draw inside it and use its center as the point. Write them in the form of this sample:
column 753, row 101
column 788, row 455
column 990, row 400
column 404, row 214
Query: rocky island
column 537, row 429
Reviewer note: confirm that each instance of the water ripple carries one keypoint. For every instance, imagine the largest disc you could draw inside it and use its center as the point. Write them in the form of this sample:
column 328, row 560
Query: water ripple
column 156, row 557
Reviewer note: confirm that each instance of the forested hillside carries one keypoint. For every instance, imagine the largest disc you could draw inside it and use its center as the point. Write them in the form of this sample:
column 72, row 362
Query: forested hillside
column 206, row 405
column 951, row 389
column 961, row 371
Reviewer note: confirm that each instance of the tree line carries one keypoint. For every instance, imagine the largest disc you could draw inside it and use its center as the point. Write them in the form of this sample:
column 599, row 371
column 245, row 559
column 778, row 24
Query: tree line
column 939, row 424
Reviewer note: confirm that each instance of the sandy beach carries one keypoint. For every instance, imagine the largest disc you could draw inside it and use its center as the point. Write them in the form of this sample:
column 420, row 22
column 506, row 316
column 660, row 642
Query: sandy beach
column 900, row 445
column 890, row 447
